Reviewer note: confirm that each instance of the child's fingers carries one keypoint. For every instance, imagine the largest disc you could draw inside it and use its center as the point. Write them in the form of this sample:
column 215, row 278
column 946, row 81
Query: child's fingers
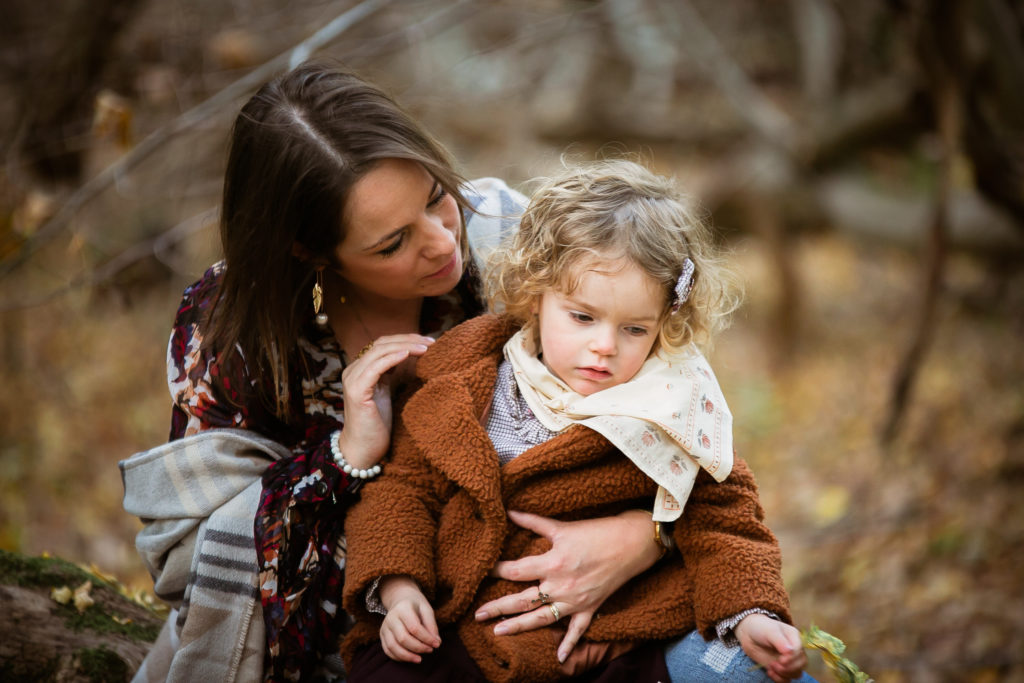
column 784, row 639
column 404, row 637
column 405, row 646
column 421, row 630
column 395, row 650
column 787, row 667
column 430, row 626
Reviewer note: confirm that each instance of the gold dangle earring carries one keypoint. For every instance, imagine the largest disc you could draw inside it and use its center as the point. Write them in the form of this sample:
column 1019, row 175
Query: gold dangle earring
column 318, row 298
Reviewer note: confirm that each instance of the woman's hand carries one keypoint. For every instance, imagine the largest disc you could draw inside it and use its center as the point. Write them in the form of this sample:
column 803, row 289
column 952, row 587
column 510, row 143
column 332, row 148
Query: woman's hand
column 409, row 629
column 364, row 439
column 774, row 645
column 578, row 574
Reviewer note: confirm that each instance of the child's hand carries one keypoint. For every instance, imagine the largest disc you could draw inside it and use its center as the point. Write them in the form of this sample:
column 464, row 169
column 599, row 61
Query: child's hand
column 409, row 628
column 774, row 645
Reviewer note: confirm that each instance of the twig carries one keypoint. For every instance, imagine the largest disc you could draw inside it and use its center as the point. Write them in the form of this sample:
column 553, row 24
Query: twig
column 286, row 60
column 770, row 122
column 136, row 252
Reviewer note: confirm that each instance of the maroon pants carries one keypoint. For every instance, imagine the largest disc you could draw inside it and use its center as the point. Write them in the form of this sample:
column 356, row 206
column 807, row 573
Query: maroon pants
column 451, row 663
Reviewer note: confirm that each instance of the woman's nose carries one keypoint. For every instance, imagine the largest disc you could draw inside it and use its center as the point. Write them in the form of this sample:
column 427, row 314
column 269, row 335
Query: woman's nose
column 439, row 238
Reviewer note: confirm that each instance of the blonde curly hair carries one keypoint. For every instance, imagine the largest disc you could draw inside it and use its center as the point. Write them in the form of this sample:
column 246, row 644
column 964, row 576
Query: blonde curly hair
column 608, row 210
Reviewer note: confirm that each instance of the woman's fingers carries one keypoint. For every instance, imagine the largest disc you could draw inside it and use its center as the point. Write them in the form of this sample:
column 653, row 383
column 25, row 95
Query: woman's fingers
column 530, row 568
column 542, row 526
column 578, row 625
column 416, row 344
column 383, row 355
column 544, row 615
column 368, row 412
column 508, row 605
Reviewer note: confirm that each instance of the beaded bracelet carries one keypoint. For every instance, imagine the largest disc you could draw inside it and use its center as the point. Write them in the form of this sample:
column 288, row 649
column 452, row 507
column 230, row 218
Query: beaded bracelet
column 345, row 466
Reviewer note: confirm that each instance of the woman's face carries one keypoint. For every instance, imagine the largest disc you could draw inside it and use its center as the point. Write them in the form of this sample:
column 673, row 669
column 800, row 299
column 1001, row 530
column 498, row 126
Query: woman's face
column 402, row 234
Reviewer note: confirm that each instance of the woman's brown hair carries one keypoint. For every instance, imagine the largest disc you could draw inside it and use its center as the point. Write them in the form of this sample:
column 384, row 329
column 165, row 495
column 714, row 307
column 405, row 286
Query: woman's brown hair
column 297, row 148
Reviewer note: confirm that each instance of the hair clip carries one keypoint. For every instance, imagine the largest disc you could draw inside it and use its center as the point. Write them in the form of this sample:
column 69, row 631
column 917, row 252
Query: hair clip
column 683, row 285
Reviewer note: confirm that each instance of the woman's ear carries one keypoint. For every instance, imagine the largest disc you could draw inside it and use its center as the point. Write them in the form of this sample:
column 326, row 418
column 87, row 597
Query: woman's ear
column 303, row 254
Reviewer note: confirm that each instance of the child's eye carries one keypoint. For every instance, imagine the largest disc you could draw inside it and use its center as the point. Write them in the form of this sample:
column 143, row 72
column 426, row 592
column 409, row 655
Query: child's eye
column 636, row 331
column 580, row 317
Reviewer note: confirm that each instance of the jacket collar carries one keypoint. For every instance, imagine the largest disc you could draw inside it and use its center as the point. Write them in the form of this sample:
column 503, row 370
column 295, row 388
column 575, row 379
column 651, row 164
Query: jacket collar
column 445, row 418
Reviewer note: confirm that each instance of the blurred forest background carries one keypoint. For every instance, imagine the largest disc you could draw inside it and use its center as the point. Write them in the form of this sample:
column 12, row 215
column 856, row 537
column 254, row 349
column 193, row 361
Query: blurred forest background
column 861, row 160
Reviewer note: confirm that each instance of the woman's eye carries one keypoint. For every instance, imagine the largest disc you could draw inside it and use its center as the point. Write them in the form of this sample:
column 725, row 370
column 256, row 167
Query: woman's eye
column 438, row 195
column 393, row 247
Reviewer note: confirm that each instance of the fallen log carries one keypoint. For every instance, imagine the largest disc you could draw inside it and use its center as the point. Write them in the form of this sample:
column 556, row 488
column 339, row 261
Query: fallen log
column 60, row 622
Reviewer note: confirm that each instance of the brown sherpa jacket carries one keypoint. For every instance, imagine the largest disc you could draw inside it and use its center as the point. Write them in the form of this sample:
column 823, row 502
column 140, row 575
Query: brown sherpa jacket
column 438, row 515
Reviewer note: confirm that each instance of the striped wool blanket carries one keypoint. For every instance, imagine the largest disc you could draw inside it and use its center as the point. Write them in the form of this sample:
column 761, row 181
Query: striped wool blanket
column 197, row 498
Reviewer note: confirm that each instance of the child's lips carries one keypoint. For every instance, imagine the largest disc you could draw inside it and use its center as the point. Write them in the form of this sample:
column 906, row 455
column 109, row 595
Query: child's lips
column 595, row 373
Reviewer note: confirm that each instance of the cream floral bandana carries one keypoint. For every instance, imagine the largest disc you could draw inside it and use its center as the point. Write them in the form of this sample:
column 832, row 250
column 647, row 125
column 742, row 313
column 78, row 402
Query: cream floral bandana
column 670, row 419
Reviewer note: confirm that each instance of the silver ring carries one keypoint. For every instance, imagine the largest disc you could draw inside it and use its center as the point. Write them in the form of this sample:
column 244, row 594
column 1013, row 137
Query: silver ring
column 554, row 611
column 542, row 598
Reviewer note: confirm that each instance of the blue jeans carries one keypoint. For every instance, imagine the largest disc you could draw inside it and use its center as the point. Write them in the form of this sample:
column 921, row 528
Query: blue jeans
column 694, row 660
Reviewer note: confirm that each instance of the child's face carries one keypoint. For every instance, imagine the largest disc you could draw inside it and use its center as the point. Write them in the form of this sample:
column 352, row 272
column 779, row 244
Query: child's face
column 600, row 335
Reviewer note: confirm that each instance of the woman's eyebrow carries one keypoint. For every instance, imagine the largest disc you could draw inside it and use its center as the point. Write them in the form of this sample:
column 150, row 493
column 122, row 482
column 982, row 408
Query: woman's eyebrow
column 391, row 235
column 386, row 238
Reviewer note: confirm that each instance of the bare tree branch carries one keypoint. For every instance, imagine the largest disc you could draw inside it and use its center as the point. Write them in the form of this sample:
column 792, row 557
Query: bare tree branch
column 155, row 246
column 773, row 125
column 942, row 63
column 155, row 140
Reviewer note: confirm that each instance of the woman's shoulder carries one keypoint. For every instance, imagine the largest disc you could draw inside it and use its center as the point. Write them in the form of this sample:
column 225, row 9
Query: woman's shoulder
column 465, row 344
column 494, row 190
column 199, row 296
column 186, row 361
column 494, row 215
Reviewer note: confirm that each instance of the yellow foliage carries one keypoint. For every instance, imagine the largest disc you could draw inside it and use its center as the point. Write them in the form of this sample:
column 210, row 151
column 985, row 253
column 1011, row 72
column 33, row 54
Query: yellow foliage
column 113, row 118
column 831, row 504
column 61, row 595
column 83, row 600
column 832, row 650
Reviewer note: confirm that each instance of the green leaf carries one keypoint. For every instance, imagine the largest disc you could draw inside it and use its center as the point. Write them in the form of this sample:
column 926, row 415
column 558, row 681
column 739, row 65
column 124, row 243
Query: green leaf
column 832, row 649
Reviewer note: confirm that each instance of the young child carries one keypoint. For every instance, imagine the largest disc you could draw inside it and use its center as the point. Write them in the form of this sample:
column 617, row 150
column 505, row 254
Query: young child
column 586, row 397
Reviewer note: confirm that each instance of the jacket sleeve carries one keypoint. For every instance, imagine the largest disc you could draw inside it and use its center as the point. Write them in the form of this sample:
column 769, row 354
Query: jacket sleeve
column 731, row 556
column 393, row 527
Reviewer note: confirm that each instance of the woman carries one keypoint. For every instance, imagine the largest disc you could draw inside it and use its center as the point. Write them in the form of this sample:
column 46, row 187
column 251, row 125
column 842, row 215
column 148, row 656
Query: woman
column 347, row 240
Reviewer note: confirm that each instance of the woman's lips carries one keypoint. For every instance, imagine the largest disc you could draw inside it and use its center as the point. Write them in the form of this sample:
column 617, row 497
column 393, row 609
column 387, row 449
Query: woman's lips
column 447, row 269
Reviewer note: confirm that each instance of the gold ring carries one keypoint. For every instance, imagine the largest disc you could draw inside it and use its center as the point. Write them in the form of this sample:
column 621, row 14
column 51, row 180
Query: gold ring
column 554, row 611
column 363, row 350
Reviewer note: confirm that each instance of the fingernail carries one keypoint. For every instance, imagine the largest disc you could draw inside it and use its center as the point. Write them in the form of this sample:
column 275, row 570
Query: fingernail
column 481, row 615
column 561, row 657
column 500, row 630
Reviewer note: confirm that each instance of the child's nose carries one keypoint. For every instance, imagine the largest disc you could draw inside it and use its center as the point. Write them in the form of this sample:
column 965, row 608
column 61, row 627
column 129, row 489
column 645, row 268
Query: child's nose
column 603, row 342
